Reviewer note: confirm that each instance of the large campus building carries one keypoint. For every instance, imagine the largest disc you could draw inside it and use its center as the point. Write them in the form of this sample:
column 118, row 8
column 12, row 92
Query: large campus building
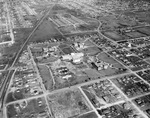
column 74, row 57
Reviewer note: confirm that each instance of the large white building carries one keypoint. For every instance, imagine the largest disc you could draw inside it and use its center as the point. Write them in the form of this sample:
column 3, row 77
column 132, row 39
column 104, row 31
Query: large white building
column 74, row 57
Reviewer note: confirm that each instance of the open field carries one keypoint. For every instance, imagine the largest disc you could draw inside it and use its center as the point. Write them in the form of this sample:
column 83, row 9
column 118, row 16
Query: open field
column 45, row 31
column 91, row 51
column 47, row 60
column 88, row 43
column 145, row 30
column 67, row 29
column 106, row 58
column 114, row 35
column 89, row 115
column 68, row 104
column 66, row 49
column 135, row 34
column 46, row 76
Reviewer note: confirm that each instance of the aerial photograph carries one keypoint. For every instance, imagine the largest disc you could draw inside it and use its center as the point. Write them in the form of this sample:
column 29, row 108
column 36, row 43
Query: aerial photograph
column 74, row 58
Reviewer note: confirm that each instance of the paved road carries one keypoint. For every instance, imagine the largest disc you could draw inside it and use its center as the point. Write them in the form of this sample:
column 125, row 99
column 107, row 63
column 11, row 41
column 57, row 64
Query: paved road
column 7, row 42
column 91, row 105
column 7, row 80
column 71, row 87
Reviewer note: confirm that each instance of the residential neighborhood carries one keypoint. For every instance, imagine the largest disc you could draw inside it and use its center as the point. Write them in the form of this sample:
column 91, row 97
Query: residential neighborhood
column 74, row 59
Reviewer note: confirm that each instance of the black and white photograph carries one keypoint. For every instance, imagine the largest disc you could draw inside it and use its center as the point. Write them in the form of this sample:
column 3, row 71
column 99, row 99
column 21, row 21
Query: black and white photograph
column 74, row 58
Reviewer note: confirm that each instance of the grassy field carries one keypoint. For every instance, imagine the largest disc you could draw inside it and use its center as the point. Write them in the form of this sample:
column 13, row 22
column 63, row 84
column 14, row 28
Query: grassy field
column 45, row 31
column 89, row 115
column 46, row 76
column 114, row 36
column 106, row 58
column 68, row 50
column 67, row 104
column 93, row 74
column 47, row 60
column 145, row 30
column 91, row 51
column 135, row 34
column 88, row 43
column 67, row 29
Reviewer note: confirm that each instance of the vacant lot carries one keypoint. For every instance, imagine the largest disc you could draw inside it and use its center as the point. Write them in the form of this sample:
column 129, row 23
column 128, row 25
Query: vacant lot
column 145, row 30
column 88, row 43
column 114, row 35
column 106, row 58
column 68, row 104
column 45, row 31
column 135, row 34
column 92, row 50
column 48, row 59
column 46, row 76
column 68, row 50
column 67, row 29
column 89, row 115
